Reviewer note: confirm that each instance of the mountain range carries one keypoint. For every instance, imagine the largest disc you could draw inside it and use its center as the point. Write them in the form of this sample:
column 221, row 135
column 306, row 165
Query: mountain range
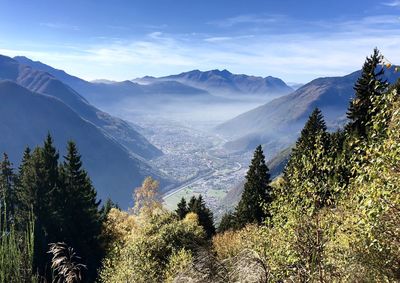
column 101, row 92
column 203, row 86
column 224, row 82
column 34, row 103
column 277, row 123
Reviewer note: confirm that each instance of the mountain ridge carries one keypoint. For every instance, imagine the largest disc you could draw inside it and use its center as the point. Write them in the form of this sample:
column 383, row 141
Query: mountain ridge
column 280, row 120
column 43, row 82
column 224, row 82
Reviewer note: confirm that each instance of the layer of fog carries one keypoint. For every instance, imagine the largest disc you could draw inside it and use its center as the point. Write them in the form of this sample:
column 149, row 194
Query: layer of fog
column 203, row 113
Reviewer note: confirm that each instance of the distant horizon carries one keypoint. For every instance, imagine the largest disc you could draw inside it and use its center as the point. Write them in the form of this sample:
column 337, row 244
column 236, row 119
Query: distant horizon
column 294, row 41
column 289, row 83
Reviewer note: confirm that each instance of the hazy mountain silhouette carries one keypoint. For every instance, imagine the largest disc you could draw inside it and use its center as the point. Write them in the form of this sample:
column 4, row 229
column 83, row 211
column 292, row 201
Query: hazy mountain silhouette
column 27, row 117
column 41, row 81
column 224, row 82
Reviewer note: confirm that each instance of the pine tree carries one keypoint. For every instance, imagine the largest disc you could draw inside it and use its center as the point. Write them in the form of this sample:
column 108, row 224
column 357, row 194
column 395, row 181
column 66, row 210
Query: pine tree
column 257, row 192
column 7, row 190
column 228, row 222
column 32, row 198
column 81, row 219
column 370, row 84
column 105, row 209
column 23, row 196
column 182, row 209
column 314, row 126
column 198, row 206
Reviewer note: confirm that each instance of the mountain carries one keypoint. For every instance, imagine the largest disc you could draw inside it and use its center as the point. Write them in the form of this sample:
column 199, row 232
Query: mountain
column 277, row 123
column 102, row 92
column 26, row 118
column 224, row 82
column 40, row 81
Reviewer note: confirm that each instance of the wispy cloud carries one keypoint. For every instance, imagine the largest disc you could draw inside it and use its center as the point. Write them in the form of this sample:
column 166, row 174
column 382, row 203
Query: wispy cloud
column 60, row 26
column 337, row 48
column 226, row 38
column 395, row 3
column 247, row 19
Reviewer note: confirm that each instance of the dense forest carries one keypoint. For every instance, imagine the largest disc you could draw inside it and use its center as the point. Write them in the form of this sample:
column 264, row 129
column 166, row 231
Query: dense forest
column 333, row 215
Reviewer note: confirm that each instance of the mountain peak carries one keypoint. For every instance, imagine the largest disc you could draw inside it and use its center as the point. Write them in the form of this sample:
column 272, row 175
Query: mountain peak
column 224, row 73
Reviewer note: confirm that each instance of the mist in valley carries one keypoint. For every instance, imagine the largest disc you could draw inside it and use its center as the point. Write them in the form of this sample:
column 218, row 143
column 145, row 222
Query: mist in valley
column 195, row 153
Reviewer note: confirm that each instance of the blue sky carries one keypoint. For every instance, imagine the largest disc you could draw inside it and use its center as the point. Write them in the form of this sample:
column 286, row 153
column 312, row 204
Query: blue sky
column 294, row 40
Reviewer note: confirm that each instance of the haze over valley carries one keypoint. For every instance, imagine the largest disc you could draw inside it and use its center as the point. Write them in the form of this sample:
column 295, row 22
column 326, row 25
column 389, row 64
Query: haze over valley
column 194, row 131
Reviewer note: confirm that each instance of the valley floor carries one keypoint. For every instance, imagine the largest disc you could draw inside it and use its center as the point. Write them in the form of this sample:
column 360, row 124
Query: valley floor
column 196, row 159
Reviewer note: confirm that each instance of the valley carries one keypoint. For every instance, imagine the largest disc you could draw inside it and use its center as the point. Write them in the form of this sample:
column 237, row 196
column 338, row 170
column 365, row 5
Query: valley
column 194, row 157
column 197, row 160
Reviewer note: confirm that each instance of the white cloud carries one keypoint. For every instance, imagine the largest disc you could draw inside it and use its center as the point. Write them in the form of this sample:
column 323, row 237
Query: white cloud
column 60, row 26
column 292, row 56
column 248, row 19
column 395, row 3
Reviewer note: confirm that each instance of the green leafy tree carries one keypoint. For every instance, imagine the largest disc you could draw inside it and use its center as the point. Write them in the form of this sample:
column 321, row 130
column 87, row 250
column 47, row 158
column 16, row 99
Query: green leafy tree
column 308, row 174
column 257, row 192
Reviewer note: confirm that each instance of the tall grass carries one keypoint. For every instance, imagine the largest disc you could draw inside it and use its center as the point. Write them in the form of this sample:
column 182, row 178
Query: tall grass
column 16, row 252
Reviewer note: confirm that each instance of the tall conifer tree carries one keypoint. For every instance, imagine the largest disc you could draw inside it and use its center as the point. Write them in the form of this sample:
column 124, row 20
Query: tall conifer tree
column 182, row 209
column 370, row 84
column 257, row 192
column 81, row 218
column 206, row 219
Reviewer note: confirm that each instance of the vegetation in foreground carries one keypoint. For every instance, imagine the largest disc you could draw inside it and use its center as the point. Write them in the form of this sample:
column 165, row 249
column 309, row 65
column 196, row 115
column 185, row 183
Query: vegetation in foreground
column 332, row 216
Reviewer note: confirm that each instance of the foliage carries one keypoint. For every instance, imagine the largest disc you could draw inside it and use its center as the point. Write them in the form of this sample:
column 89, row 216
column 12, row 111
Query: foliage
column 16, row 254
column 336, row 210
column 146, row 198
column 7, row 191
column 153, row 248
column 60, row 201
column 228, row 222
column 197, row 206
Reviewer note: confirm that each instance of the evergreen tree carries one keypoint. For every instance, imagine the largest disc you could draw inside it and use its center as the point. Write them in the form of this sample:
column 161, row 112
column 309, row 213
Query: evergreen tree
column 7, row 190
column 24, row 196
column 81, row 218
column 256, row 193
column 314, row 126
column 182, row 209
column 105, row 209
column 52, row 191
column 198, row 206
column 33, row 198
column 228, row 222
column 370, row 84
